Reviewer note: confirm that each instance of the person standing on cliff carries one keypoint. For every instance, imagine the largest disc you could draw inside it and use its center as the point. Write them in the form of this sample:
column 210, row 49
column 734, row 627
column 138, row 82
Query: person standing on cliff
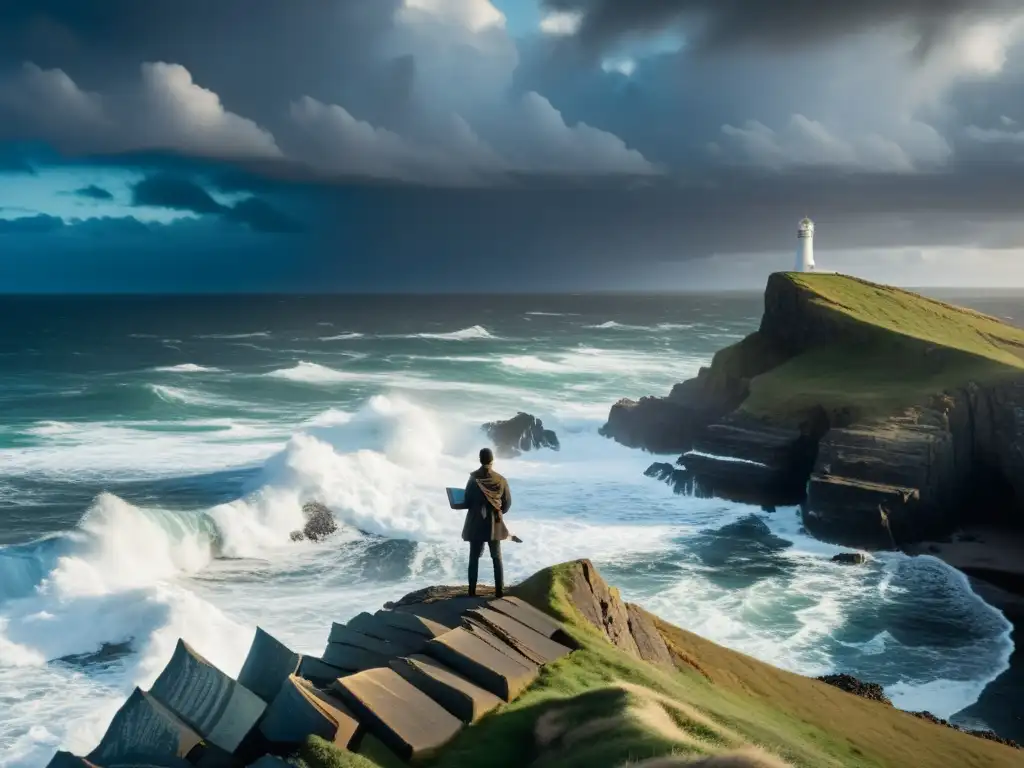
column 487, row 500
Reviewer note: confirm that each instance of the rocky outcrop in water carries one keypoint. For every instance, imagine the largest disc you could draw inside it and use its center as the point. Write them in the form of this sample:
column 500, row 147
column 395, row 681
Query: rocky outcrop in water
column 851, row 684
column 850, row 558
column 523, row 432
column 319, row 523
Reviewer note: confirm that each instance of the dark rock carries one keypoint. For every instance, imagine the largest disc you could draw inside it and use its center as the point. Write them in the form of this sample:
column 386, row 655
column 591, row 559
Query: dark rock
column 850, row 558
column 533, row 645
column 267, row 666
column 144, row 726
column 649, row 642
column 851, row 684
column 744, row 459
column 218, row 708
column 319, row 521
column 990, row 735
column 299, row 710
column 521, row 433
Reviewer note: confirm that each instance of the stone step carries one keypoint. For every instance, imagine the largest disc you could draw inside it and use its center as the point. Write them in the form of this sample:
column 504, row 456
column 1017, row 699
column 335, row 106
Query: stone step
column 318, row 672
column 144, row 726
column 463, row 698
column 530, row 643
column 410, row 622
column 300, row 710
column 270, row 761
column 409, row 722
column 477, row 629
column 217, row 707
column 353, row 659
column 484, row 665
column 267, row 666
column 536, row 620
column 348, row 636
column 368, row 624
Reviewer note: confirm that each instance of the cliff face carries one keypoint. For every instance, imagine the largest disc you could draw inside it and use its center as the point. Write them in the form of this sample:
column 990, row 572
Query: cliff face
column 900, row 416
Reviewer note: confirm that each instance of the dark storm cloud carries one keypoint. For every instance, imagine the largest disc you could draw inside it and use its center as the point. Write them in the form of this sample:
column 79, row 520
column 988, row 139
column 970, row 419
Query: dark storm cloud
column 94, row 192
column 31, row 225
column 174, row 192
column 788, row 23
column 260, row 216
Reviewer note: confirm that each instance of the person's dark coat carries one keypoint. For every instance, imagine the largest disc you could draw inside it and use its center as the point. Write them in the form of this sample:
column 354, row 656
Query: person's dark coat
column 487, row 500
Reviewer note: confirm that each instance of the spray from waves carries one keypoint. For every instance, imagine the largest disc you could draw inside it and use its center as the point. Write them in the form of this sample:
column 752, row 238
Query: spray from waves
column 186, row 368
column 590, row 361
column 314, row 373
column 182, row 396
column 612, row 325
column 255, row 335
column 466, row 334
column 342, row 337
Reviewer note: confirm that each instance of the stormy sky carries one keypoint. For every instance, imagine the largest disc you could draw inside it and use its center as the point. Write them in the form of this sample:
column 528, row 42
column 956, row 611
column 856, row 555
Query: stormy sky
column 506, row 145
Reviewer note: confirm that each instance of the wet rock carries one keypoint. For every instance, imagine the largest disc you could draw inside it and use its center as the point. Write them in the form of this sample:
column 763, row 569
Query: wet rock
column 850, row 558
column 319, row 523
column 851, row 684
column 519, row 434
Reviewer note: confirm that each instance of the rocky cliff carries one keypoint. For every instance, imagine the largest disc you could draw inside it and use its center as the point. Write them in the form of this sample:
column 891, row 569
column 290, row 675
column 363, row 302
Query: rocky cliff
column 893, row 418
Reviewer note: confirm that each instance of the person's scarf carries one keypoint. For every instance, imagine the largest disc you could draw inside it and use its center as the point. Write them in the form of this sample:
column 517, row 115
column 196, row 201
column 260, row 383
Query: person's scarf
column 492, row 486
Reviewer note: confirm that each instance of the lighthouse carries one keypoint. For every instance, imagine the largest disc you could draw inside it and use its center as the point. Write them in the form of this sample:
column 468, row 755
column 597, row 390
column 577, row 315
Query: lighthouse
column 805, row 246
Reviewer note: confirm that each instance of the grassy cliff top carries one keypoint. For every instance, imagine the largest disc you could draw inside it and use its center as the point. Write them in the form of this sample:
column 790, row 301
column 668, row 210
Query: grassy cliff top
column 865, row 349
column 910, row 314
column 600, row 707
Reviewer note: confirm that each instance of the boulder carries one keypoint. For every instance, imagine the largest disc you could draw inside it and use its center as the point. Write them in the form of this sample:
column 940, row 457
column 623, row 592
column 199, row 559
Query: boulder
column 850, row 558
column 521, row 433
column 319, row 522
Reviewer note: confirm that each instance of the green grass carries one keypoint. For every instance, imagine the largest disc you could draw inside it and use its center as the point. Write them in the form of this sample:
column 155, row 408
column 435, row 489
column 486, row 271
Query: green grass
column 600, row 707
column 890, row 349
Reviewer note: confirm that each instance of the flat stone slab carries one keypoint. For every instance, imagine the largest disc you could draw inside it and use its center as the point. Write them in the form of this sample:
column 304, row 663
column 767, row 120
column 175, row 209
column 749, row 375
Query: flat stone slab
column 267, row 666
column 144, row 726
column 410, row 622
column 369, row 624
column 536, row 620
column 218, row 708
column 477, row 629
column 353, row 659
column 408, row 721
column 299, row 710
column 463, row 698
column 318, row 671
column 530, row 643
column 348, row 636
column 484, row 665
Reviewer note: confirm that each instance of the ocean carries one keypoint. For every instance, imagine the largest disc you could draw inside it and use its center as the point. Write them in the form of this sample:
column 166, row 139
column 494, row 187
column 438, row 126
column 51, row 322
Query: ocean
column 155, row 453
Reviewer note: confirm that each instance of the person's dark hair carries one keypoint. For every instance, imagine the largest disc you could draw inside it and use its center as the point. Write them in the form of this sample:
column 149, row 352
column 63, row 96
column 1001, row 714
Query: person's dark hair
column 486, row 456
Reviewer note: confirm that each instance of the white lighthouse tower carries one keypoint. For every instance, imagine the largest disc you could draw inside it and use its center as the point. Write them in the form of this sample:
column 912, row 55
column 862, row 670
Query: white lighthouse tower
column 805, row 246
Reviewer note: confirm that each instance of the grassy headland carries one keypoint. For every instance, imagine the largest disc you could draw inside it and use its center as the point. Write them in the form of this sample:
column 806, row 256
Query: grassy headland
column 602, row 707
column 848, row 345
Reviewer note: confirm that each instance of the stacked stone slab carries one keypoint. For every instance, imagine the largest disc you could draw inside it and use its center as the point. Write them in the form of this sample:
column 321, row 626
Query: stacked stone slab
column 393, row 680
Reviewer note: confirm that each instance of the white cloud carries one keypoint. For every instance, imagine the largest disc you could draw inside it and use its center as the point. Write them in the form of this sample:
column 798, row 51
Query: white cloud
column 165, row 109
column 995, row 135
column 176, row 112
column 548, row 143
column 561, row 23
column 624, row 66
column 808, row 143
column 475, row 15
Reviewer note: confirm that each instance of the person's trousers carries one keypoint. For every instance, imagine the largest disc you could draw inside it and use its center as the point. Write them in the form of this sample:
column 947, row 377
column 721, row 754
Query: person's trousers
column 476, row 548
